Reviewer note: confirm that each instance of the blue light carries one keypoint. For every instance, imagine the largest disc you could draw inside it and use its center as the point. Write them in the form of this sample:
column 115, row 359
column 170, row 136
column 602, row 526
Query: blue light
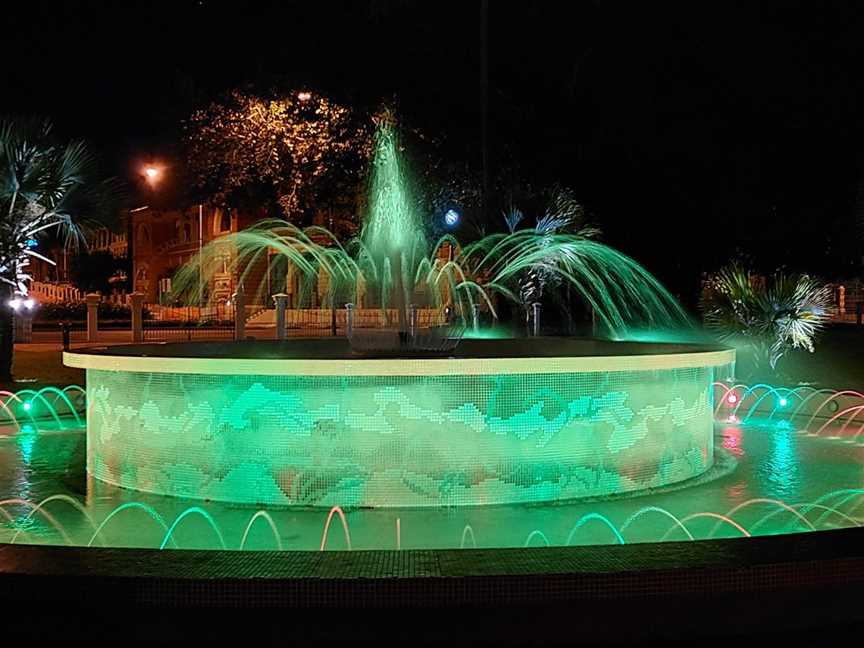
column 31, row 243
column 783, row 402
column 451, row 218
column 27, row 406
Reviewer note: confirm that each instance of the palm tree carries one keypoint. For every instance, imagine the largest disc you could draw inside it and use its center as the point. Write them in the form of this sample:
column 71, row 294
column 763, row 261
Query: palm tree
column 45, row 188
column 563, row 215
column 770, row 317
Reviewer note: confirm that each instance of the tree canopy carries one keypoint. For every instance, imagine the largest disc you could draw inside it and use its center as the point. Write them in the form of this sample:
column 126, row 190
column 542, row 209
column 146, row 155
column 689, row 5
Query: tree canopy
column 278, row 152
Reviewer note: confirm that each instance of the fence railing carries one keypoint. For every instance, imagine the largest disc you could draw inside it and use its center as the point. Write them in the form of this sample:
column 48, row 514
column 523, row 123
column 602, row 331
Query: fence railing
column 53, row 293
column 329, row 321
column 188, row 333
column 219, row 312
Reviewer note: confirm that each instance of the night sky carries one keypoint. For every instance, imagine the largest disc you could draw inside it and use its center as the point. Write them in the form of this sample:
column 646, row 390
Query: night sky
column 692, row 131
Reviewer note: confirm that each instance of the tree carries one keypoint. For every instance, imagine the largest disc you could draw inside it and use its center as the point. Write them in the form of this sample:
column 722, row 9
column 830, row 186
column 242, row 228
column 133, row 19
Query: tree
column 768, row 317
column 563, row 215
column 94, row 271
column 45, row 187
column 277, row 152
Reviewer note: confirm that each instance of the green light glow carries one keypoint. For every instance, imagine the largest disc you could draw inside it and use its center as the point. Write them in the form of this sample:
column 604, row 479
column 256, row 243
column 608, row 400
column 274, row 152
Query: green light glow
column 393, row 226
column 399, row 440
column 391, row 264
column 488, row 333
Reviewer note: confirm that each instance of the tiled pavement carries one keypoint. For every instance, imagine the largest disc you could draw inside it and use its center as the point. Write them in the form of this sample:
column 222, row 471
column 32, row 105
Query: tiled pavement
column 434, row 578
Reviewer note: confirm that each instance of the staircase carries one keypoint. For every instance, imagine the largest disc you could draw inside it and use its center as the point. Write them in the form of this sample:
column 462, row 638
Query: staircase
column 262, row 319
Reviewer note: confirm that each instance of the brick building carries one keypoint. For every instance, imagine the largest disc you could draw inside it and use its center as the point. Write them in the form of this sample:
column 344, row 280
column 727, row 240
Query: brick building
column 164, row 240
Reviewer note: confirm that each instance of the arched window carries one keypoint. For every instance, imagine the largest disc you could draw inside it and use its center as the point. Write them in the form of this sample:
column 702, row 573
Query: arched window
column 222, row 221
column 144, row 237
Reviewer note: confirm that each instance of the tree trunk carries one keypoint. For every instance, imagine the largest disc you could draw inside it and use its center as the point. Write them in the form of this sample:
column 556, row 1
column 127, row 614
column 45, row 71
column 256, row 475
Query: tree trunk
column 7, row 333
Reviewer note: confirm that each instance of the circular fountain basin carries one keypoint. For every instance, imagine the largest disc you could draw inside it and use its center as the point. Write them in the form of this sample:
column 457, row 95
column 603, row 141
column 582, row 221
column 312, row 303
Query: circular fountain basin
column 308, row 423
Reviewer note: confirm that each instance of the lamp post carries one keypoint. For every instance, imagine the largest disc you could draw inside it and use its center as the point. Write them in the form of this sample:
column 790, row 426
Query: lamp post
column 200, row 259
column 153, row 175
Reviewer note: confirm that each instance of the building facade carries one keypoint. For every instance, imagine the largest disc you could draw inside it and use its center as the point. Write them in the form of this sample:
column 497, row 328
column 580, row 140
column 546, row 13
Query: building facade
column 165, row 240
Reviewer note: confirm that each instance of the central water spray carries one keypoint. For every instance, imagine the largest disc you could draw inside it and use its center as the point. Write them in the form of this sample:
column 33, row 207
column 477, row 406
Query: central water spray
column 392, row 264
column 393, row 236
column 393, row 226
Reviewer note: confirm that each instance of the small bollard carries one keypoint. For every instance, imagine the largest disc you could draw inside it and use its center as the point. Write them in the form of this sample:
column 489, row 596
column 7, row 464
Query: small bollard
column 239, row 301
column 535, row 310
column 475, row 317
column 412, row 320
column 448, row 315
column 281, row 300
column 67, row 341
column 349, row 320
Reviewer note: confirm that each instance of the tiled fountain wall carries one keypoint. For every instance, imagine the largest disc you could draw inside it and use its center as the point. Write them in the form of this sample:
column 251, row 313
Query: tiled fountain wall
column 445, row 440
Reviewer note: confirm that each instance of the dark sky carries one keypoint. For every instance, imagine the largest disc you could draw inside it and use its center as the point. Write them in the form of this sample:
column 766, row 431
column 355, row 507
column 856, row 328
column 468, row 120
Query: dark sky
column 691, row 130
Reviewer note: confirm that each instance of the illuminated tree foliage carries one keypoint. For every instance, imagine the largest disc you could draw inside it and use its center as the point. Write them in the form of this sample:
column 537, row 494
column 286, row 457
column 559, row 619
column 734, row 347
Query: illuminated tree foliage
column 564, row 214
column 769, row 316
column 280, row 152
column 46, row 188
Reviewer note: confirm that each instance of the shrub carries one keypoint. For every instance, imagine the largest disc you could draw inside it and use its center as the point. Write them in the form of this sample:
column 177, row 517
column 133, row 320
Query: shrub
column 769, row 316
column 77, row 311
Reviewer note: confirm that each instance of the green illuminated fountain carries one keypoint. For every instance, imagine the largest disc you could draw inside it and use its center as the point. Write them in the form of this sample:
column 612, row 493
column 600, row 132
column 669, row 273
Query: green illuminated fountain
column 392, row 264
column 385, row 418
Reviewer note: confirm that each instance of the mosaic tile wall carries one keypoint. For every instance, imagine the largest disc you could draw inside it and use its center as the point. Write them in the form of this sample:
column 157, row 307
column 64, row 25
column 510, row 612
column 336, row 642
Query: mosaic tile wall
column 399, row 440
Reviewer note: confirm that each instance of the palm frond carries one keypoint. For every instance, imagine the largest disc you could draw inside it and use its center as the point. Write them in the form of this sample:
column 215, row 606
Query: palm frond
column 46, row 185
column 771, row 316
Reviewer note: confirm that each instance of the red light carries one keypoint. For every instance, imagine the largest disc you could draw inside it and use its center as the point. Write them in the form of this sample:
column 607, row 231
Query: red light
column 732, row 398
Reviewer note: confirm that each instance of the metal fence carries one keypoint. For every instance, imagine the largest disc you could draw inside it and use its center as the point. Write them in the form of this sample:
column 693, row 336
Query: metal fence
column 319, row 322
column 299, row 322
column 188, row 333
column 218, row 312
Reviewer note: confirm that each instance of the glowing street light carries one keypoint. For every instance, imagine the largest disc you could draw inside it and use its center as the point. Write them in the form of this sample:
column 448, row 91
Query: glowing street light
column 304, row 96
column 153, row 174
column 17, row 303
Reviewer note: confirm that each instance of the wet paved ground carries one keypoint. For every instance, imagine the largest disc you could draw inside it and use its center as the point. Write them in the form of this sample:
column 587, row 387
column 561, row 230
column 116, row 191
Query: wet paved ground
column 772, row 588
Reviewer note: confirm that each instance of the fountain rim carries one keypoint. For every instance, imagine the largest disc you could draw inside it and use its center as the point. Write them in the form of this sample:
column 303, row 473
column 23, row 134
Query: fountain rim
column 333, row 358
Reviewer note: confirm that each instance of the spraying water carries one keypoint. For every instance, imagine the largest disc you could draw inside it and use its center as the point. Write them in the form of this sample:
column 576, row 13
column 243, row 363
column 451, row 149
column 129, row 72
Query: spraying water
column 392, row 265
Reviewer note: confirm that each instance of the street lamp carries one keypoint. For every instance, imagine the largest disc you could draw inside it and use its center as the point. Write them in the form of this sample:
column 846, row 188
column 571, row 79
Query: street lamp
column 153, row 174
column 451, row 218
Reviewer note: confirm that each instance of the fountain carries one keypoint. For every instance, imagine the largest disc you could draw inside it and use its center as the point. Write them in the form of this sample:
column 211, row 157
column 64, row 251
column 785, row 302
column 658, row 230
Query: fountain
column 392, row 265
column 769, row 479
column 404, row 414
column 431, row 451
